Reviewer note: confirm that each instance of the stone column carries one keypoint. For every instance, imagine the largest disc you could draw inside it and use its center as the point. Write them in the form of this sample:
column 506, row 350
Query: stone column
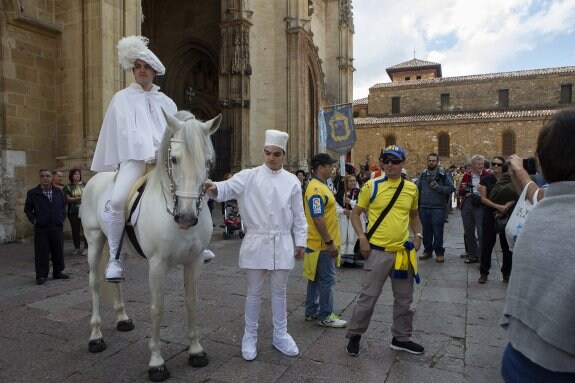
column 234, row 78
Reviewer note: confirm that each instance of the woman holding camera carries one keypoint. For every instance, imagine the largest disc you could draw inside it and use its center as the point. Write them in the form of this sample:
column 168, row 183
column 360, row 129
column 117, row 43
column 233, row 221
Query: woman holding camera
column 472, row 208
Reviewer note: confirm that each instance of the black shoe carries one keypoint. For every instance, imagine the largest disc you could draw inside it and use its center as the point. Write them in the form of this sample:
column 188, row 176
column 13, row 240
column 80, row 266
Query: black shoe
column 464, row 256
column 506, row 278
column 352, row 347
column 40, row 281
column 409, row 346
column 482, row 279
column 61, row 276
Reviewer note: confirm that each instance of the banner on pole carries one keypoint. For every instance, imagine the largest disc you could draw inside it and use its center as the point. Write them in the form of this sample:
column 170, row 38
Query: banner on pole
column 321, row 131
column 336, row 126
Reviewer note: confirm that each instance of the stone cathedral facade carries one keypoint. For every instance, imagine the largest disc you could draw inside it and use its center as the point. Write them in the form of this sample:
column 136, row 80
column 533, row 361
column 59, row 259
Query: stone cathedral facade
column 262, row 64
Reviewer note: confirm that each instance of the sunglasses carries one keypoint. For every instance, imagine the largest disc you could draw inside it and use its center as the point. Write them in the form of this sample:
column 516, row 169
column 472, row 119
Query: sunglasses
column 496, row 164
column 394, row 161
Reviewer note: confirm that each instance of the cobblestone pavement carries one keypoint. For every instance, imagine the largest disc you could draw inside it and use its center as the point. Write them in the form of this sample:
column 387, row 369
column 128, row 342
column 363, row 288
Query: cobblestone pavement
column 45, row 329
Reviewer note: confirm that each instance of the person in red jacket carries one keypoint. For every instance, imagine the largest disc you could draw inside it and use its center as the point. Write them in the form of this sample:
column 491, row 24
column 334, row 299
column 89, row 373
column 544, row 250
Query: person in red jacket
column 472, row 208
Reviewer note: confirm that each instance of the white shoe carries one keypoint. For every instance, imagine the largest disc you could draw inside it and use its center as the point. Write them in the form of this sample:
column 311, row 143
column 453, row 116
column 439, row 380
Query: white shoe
column 115, row 271
column 286, row 345
column 249, row 347
column 76, row 252
column 208, row 255
column 85, row 252
column 333, row 321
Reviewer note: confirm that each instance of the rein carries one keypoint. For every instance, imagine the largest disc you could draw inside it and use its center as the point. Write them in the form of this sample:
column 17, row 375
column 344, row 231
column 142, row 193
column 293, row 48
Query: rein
column 175, row 193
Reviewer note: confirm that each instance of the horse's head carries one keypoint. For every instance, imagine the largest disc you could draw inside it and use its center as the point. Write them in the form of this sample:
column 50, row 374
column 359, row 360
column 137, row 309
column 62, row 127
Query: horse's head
column 187, row 155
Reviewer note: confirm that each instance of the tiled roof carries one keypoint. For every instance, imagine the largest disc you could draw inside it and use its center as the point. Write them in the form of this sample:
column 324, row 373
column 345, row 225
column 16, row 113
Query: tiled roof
column 479, row 77
column 454, row 116
column 415, row 63
column 360, row 101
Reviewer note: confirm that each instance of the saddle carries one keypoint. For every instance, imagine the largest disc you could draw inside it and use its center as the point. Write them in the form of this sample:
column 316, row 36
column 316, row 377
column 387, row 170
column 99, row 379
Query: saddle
column 132, row 210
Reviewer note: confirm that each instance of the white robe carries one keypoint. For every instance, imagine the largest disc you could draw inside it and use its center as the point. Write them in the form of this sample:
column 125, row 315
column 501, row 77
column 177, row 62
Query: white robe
column 271, row 207
column 133, row 127
column 347, row 234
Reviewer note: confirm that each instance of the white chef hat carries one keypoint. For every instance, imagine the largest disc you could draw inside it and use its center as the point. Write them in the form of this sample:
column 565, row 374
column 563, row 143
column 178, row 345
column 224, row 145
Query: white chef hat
column 276, row 138
column 132, row 48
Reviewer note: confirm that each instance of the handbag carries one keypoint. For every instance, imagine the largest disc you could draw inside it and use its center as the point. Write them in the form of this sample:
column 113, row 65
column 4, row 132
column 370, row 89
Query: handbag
column 372, row 229
column 518, row 216
column 501, row 223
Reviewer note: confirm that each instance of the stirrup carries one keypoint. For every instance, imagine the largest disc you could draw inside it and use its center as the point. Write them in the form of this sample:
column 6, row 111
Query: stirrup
column 117, row 275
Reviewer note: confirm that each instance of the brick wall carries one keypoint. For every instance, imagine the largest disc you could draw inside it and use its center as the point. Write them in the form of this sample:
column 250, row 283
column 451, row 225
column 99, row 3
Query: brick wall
column 467, row 137
column 524, row 93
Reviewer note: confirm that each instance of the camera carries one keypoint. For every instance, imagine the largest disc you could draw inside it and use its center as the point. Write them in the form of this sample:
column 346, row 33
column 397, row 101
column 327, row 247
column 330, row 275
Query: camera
column 529, row 165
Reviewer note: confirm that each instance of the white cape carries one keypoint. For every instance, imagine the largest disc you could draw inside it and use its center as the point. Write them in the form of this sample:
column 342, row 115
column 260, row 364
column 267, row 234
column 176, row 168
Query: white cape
column 133, row 127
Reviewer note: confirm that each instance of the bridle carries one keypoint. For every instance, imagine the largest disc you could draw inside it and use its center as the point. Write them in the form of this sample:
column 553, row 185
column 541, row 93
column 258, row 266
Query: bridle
column 175, row 193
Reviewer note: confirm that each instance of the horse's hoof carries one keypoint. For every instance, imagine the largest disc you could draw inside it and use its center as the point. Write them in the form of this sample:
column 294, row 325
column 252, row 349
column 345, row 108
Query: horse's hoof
column 158, row 374
column 125, row 325
column 96, row 345
column 199, row 360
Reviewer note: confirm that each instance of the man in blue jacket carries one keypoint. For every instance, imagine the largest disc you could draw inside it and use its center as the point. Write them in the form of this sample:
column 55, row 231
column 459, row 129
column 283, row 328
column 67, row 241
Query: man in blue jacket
column 435, row 187
column 45, row 209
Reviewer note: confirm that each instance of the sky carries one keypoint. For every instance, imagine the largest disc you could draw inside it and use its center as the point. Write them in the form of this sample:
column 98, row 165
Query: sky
column 466, row 37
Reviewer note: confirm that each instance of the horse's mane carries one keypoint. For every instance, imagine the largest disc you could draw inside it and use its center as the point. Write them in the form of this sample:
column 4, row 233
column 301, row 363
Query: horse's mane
column 197, row 144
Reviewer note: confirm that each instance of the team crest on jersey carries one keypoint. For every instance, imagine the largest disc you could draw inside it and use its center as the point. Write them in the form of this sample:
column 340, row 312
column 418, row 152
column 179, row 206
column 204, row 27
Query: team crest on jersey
column 316, row 206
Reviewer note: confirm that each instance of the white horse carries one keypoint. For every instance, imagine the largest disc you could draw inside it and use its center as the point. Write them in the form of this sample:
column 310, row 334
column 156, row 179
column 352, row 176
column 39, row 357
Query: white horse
column 170, row 229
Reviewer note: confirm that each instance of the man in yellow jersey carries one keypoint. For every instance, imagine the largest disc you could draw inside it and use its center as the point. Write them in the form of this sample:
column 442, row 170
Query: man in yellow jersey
column 323, row 242
column 388, row 252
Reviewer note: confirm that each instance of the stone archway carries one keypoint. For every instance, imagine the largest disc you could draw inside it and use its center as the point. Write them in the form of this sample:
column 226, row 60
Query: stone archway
column 186, row 37
column 192, row 82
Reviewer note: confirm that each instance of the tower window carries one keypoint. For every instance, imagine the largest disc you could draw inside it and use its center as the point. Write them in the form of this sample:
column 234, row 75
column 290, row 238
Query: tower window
column 395, row 108
column 443, row 145
column 444, row 102
column 504, row 98
column 508, row 143
column 566, row 92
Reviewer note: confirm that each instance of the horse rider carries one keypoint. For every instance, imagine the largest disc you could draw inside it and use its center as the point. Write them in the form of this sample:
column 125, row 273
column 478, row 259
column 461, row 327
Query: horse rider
column 271, row 206
column 130, row 136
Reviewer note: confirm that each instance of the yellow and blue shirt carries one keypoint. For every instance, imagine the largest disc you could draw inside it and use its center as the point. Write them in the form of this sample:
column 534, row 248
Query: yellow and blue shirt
column 375, row 195
column 319, row 201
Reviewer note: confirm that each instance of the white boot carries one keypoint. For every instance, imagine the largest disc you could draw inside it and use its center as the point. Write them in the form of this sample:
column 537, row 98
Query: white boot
column 285, row 344
column 115, row 269
column 249, row 347
column 208, row 255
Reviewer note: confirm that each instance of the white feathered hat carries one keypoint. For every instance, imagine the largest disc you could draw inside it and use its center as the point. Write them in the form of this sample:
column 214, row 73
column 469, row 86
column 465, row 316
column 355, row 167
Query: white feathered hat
column 276, row 138
column 131, row 48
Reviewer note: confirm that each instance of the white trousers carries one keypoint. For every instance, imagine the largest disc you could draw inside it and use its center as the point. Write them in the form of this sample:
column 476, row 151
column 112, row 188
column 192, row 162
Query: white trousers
column 127, row 176
column 278, row 283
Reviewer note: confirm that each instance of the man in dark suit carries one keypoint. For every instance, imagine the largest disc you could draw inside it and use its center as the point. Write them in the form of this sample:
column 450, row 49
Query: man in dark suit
column 45, row 208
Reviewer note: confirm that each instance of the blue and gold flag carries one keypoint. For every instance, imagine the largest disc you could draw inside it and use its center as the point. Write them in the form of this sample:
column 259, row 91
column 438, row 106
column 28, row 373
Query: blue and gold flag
column 336, row 125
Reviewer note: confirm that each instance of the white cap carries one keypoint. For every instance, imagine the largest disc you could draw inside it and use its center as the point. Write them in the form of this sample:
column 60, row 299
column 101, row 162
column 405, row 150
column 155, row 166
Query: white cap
column 132, row 48
column 276, row 138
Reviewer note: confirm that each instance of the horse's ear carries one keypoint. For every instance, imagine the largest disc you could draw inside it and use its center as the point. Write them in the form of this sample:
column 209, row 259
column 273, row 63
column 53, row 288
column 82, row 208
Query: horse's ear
column 214, row 124
column 173, row 123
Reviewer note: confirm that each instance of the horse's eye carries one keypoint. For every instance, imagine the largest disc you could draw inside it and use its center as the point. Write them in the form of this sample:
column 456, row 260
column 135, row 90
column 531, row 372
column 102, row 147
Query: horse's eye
column 173, row 160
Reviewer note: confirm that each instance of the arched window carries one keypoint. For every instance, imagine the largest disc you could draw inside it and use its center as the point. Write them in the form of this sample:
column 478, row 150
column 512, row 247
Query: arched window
column 443, row 145
column 507, row 143
column 390, row 140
